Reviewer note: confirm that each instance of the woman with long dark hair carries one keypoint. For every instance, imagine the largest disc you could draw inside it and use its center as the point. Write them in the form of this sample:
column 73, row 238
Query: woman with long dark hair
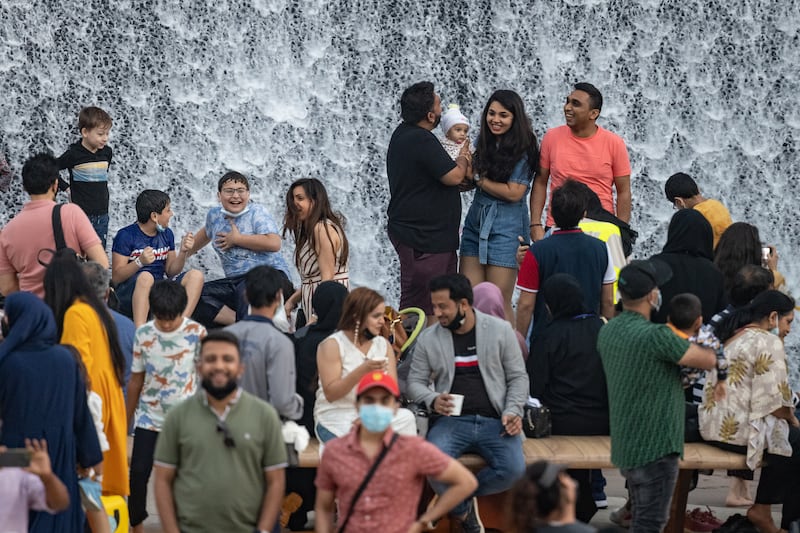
column 84, row 322
column 741, row 245
column 756, row 416
column 505, row 162
column 321, row 247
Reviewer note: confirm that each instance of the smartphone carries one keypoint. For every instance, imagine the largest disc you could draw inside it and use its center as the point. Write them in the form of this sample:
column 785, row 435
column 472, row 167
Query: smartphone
column 15, row 457
column 765, row 251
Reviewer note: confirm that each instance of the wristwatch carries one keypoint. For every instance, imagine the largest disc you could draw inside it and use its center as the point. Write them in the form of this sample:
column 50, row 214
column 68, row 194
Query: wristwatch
column 138, row 262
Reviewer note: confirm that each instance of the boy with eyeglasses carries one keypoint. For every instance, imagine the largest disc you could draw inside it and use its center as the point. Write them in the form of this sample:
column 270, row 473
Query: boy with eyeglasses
column 220, row 460
column 163, row 374
column 244, row 235
column 144, row 253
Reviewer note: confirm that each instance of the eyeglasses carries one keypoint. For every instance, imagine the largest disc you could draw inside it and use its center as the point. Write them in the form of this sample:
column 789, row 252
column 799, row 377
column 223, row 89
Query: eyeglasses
column 226, row 434
column 231, row 192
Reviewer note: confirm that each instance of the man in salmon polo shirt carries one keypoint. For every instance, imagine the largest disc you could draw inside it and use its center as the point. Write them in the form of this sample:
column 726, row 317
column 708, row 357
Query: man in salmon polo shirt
column 31, row 231
column 583, row 151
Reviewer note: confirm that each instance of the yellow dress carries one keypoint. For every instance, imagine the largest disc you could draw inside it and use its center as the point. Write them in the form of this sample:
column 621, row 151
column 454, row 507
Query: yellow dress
column 84, row 330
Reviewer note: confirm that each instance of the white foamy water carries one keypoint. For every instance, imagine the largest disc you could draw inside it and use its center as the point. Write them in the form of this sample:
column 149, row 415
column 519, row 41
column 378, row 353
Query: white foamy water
column 286, row 89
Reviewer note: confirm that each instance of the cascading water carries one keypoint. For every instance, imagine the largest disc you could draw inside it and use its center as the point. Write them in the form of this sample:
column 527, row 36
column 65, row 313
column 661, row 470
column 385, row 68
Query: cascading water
column 283, row 89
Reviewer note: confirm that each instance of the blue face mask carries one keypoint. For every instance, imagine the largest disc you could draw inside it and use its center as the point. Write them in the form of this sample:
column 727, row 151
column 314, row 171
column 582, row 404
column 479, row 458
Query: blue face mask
column 160, row 228
column 375, row 418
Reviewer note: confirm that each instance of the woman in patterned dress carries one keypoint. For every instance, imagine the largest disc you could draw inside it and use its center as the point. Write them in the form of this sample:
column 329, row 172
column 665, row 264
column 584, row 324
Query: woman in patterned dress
column 321, row 249
column 757, row 416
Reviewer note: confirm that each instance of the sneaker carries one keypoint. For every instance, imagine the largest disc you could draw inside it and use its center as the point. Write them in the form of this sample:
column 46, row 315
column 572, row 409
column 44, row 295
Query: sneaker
column 622, row 516
column 600, row 500
column 471, row 523
column 598, row 489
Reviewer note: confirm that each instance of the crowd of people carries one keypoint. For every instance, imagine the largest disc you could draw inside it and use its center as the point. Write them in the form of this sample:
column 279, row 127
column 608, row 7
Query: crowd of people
column 214, row 377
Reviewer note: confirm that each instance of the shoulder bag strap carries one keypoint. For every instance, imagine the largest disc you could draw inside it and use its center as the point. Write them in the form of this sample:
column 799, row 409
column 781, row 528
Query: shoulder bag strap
column 58, row 231
column 365, row 482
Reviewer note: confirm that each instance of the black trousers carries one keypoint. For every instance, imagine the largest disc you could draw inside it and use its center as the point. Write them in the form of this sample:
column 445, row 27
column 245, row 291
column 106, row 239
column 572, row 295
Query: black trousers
column 581, row 424
column 144, row 447
column 780, row 478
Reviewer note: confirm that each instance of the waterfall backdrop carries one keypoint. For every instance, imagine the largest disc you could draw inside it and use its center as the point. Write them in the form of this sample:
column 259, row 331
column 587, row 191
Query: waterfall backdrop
column 283, row 89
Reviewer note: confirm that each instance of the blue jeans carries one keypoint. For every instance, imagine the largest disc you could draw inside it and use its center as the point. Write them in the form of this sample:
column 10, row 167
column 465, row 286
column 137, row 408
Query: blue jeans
column 100, row 225
column 324, row 434
column 650, row 487
column 457, row 435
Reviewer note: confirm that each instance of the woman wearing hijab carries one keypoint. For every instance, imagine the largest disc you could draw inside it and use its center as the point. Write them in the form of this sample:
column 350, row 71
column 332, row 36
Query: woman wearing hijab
column 489, row 299
column 689, row 254
column 327, row 302
column 42, row 395
column 566, row 373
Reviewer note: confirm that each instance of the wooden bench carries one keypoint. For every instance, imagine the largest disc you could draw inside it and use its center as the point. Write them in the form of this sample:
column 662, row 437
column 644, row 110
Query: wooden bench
column 584, row 453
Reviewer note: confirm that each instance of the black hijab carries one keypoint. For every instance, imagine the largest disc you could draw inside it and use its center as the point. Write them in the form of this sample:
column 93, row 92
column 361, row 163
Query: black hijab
column 690, row 233
column 327, row 302
column 689, row 254
column 563, row 295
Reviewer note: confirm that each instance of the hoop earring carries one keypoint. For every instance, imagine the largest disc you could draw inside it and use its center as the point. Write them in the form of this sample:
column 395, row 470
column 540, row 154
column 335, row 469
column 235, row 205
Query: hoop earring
column 355, row 332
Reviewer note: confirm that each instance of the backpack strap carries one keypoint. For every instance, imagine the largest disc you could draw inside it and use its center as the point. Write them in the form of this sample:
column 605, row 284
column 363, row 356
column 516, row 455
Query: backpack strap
column 58, row 231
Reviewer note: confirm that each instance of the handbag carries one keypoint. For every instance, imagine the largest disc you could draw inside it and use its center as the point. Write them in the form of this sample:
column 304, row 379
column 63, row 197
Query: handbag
column 61, row 243
column 394, row 331
column 364, row 483
column 536, row 421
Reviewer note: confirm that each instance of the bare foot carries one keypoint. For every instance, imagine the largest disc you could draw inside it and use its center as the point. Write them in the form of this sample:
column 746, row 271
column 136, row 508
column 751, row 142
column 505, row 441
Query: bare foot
column 732, row 500
column 738, row 494
column 761, row 516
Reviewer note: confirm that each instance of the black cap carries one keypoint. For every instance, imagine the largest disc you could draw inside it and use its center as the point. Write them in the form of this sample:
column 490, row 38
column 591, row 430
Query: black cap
column 640, row 277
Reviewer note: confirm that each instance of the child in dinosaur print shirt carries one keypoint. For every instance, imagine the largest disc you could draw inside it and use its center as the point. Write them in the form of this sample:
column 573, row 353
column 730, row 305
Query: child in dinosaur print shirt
column 163, row 374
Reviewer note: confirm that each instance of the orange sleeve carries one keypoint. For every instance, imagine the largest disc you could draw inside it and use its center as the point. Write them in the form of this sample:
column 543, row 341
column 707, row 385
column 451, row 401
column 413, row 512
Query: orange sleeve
column 77, row 333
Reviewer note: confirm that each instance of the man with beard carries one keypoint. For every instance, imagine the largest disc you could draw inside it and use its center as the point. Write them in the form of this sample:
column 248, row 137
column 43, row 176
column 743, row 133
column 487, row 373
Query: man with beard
column 425, row 204
column 475, row 359
column 586, row 152
column 220, row 459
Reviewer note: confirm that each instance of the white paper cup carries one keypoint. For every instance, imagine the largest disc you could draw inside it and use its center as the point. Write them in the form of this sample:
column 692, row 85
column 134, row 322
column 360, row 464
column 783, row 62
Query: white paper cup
column 458, row 403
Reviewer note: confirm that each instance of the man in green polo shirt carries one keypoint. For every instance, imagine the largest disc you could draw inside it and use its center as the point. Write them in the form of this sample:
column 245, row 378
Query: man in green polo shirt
column 220, row 458
column 646, row 404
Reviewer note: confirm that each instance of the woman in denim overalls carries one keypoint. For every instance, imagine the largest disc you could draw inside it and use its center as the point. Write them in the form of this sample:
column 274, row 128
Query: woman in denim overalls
column 505, row 162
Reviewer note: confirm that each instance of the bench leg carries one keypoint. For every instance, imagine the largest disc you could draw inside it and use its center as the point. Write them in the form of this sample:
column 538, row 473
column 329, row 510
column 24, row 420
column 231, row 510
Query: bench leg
column 677, row 510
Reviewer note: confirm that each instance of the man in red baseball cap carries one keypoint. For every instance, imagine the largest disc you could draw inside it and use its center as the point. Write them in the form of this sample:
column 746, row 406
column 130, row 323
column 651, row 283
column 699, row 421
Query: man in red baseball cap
column 377, row 475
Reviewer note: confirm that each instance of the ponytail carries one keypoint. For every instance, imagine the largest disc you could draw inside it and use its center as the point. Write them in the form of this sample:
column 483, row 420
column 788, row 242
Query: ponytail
column 759, row 308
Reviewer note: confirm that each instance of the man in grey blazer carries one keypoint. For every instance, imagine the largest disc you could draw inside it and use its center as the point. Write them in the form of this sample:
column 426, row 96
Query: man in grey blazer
column 477, row 356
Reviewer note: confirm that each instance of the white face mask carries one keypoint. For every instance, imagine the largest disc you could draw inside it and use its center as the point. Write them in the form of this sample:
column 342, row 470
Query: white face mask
column 775, row 331
column 656, row 306
column 235, row 215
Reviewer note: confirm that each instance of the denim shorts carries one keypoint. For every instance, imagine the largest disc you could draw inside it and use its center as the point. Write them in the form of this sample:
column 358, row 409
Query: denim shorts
column 491, row 230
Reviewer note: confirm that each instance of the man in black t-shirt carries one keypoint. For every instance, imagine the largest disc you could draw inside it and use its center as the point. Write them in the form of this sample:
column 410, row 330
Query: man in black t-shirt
column 476, row 356
column 425, row 205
